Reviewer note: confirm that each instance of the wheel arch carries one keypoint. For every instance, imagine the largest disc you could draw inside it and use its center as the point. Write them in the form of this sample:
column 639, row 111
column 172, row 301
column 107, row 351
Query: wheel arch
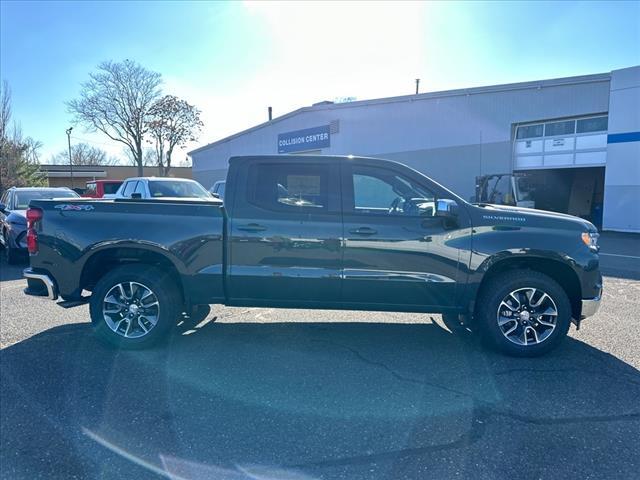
column 556, row 269
column 102, row 261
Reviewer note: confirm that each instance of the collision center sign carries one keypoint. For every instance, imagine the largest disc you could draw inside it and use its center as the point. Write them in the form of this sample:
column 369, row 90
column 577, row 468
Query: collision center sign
column 308, row 139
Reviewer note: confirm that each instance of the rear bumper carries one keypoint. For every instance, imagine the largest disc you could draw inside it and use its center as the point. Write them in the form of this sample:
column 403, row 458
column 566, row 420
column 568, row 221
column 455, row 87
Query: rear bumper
column 39, row 283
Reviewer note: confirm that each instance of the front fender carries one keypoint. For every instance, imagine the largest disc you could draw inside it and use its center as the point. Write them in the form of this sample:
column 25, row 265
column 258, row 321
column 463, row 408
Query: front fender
column 536, row 249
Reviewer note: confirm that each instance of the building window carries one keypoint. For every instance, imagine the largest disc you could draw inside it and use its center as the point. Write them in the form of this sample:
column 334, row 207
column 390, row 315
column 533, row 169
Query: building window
column 529, row 131
column 596, row 124
column 559, row 128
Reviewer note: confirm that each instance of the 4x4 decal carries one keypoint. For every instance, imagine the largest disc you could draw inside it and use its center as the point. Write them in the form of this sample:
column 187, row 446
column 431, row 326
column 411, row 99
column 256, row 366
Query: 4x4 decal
column 69, row 207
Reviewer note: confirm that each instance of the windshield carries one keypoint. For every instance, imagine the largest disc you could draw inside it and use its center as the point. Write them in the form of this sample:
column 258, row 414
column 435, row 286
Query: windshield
column 525, row 188
column 23, row 198
column 168, row 188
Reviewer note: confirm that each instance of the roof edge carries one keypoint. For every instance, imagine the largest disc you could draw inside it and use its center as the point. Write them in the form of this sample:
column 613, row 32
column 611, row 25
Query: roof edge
column 590, row 78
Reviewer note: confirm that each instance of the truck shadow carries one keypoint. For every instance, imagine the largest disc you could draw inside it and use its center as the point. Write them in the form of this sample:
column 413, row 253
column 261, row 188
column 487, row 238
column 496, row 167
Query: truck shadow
column 312, row 400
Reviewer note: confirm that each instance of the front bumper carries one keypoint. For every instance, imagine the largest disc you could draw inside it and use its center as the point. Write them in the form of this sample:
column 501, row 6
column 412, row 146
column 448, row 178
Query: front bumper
column 590, row 306
column 39, row 283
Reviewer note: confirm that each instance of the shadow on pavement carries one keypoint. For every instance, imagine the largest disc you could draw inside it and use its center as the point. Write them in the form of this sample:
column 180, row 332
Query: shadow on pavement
column 11, row 272
column 313, row 400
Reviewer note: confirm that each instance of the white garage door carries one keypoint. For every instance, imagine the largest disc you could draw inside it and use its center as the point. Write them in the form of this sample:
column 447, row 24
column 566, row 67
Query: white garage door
column 573, row 142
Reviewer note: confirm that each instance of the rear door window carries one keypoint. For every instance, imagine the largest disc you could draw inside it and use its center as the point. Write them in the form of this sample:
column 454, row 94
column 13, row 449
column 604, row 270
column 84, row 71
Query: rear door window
column 290, row 187
column 110, row 188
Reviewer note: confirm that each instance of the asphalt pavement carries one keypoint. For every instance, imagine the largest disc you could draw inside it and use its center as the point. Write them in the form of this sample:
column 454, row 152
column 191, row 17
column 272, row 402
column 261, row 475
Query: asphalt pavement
column 252, row 393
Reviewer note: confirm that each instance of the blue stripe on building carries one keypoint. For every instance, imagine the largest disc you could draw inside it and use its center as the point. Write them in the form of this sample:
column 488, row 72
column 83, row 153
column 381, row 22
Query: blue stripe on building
column 623, row 137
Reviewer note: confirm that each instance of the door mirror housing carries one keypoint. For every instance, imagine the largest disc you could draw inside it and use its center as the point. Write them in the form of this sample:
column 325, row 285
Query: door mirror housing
column 136, row 195
column 446, row 208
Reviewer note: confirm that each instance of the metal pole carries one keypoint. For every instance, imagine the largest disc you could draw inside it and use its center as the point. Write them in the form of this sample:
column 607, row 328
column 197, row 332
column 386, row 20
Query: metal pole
column 70, row 159
column 417, row 85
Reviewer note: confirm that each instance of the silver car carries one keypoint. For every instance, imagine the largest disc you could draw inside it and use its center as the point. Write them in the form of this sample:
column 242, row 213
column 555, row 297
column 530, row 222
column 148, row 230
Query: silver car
column 13, row 219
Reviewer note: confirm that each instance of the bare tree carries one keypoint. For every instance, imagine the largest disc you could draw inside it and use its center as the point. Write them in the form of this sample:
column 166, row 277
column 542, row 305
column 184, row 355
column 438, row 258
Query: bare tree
column 5, row 110
column 116, row 101
column 84, row 154
column 18, row 155
column 149, row 158
column 172, row 123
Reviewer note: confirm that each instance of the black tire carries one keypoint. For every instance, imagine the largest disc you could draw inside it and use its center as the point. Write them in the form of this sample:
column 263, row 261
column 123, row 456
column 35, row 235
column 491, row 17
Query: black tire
column 154, row 279
column 490, row 300
column 13, row 255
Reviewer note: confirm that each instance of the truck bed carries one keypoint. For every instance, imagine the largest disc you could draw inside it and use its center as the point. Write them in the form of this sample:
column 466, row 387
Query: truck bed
column 77, row 234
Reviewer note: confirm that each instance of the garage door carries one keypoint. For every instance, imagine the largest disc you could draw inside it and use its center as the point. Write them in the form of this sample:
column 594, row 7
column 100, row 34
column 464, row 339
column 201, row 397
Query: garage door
column 576, row 142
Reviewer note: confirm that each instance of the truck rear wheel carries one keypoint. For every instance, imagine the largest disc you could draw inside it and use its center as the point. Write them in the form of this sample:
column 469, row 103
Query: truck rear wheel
column 134, row 306
column 523, row 313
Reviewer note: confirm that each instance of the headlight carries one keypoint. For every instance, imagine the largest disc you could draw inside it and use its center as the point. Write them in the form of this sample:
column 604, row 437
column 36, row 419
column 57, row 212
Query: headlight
column 590, row 239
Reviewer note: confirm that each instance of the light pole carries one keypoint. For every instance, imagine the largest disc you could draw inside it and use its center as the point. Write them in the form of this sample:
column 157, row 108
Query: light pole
column 70, row 159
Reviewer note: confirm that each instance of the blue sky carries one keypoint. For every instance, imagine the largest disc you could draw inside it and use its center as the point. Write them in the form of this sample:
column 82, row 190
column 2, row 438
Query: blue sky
column 232, row 60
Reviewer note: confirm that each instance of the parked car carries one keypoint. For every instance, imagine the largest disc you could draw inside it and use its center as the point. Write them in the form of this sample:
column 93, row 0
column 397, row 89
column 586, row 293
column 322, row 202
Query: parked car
column 13, row 222
column 320, row 232
column 217, row 190
column 102, row 188
column 161, row 187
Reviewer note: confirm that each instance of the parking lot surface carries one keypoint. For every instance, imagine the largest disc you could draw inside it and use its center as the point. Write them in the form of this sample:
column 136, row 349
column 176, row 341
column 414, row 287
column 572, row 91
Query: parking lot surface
column 298, row 394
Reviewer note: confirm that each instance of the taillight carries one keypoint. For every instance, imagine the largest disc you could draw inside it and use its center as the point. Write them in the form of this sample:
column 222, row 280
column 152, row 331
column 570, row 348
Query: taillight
column 33, row 216
column 32, row 241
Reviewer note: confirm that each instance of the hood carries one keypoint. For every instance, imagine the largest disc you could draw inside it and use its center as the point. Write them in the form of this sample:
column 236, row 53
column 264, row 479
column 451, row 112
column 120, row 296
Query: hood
column 543, row 217
column 20, row 213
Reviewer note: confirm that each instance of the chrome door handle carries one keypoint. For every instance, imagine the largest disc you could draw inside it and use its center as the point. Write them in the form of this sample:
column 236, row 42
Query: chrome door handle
column 252, row 227
column 363, row 231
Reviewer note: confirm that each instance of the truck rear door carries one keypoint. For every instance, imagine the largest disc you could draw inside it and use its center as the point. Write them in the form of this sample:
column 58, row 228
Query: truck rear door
column 285, row 231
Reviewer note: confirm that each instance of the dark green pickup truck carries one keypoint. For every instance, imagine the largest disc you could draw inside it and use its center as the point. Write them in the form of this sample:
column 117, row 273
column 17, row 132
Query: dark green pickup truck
column 319, row 232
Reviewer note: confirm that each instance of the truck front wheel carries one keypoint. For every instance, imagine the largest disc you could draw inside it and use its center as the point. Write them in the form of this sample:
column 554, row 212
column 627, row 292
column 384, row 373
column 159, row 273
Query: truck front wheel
column 523, row 313
column 134, row 306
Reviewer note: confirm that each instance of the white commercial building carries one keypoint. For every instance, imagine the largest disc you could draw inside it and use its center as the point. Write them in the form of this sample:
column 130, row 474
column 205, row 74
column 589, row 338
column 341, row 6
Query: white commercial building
column 577, row 138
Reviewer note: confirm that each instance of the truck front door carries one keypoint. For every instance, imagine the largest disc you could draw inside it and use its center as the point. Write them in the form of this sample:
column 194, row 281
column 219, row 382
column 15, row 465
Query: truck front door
column 397, row 252
column 285, row 232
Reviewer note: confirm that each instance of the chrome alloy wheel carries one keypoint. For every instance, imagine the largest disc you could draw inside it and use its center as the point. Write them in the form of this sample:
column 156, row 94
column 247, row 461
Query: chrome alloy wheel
column 527, row 316
column 130, row 309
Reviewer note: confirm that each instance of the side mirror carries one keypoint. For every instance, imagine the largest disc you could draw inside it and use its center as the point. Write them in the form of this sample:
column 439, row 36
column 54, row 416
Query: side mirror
column 215, row 195
column 446, row 208
column 136, row 195
column 3, row 208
